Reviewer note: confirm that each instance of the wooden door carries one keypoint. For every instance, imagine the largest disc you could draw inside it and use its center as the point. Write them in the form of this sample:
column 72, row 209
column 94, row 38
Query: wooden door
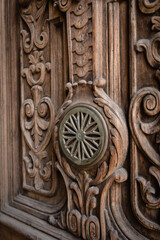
column 79, row 122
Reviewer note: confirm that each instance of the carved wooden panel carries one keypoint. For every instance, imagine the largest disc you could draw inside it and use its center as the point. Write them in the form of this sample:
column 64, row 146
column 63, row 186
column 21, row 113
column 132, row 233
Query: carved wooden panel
column 80, row 119
column 37, row 110
column 144, row 115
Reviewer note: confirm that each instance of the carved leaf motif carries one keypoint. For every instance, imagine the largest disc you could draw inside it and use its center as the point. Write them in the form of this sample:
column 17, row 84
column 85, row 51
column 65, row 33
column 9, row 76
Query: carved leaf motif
column 151, row 48
column 82, row 189
column 35, row 125
column 101, row 174
column 80, row 21
column 156, row 23
column 37, row 114
column 147, row 99
column 36, row 66
column 118, row 129
column 81, row 202
column 36, row 170
column 147, row 191
column 66, row 103
column 35, row 36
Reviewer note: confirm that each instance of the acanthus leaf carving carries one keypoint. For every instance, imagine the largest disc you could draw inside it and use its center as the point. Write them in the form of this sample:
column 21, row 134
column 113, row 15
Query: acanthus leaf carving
column 37, row 112
column 83, row 215
column 156, row 23
column 151, row 46
column 36, row 170
column 119, row 132
column 151, row 49
column 35, row 37
column 144, row 124
column 146, row 101
column 149, row 98
column 82, row 188
column 37, row 65
column 147, row 191
column 36, row 129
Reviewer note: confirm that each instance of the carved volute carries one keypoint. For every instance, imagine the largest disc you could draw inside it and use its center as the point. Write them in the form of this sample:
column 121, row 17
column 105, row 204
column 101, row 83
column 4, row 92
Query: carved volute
column 80, row 120
column 90, row 133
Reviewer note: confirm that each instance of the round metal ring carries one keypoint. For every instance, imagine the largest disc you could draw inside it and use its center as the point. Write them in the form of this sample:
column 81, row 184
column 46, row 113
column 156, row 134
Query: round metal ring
column 83, row 135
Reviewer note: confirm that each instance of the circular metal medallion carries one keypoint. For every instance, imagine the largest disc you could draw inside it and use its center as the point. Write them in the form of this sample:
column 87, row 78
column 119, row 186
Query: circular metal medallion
column 83, row 135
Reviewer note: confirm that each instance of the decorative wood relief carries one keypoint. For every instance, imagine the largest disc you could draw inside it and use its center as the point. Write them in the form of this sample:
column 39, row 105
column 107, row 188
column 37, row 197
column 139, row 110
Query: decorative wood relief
column 79, row 21
column 81, row 43
column 37, row 111
column 144, row 124
column 81, row 216
column 90, row 134
column 150, row 46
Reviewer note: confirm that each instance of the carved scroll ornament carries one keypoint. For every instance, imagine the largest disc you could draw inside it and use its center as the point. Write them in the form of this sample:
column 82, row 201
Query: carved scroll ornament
column 144, row 124
column 147, row 100
column 90, row 134
column 37, row 113
column 90, row 131
column 148, row 7
column 83, row 187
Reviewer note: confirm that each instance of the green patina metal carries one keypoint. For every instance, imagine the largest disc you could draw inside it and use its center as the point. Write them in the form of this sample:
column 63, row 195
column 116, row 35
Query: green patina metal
column 82, row 135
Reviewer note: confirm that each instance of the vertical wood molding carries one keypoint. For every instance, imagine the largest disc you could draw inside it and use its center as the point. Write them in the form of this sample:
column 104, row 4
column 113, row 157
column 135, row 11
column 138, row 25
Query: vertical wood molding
column 3, row 102
column 114, row 51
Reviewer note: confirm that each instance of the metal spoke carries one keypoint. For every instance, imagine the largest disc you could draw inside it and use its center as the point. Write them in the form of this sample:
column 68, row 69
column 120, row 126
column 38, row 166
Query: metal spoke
column 89, row 145
column 69, row 130
column 84, row 150
column 73, row 147
column 72, row 123
column 81, row 136
column 84, row 122
column 69, row 140
column 92, row 138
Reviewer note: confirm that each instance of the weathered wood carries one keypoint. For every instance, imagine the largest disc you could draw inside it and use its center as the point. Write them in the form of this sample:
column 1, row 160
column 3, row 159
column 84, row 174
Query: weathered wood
column 78, row 80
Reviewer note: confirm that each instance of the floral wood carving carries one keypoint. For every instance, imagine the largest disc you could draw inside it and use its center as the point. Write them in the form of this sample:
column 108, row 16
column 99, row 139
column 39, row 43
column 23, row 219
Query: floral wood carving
column 35, row 36
column 37, row 65
column 37, row 113
column 81, row 215
column 151, row 46
column 36, row 128
column 144, row 124
column 36, row 170
column 88, row 179
column 147, row 191
column 147, row 101
column 149, row 98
